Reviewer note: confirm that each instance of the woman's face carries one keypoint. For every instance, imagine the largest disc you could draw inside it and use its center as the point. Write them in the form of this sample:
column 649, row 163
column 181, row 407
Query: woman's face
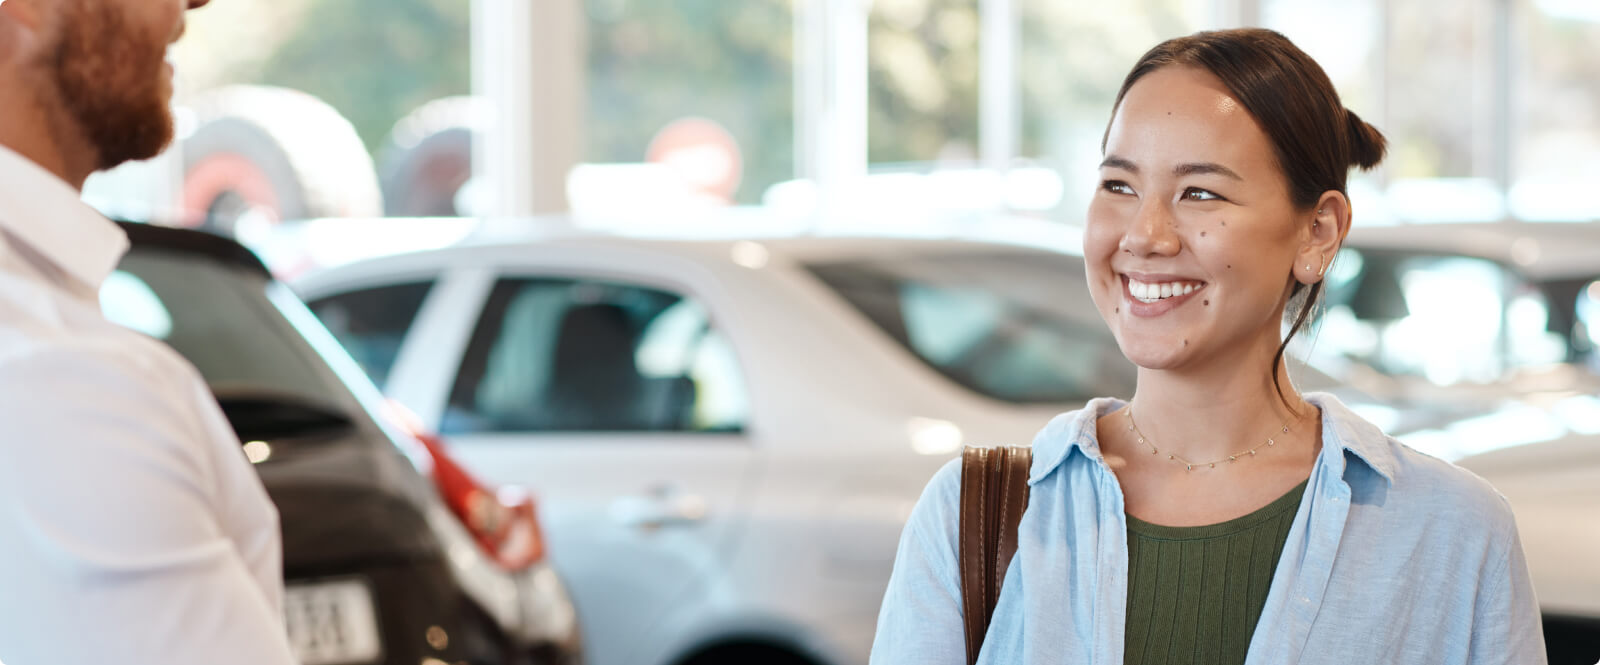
column 1191, row 234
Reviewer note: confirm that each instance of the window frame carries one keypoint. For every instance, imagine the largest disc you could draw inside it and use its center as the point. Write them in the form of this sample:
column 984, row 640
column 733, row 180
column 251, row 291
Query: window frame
column 431, row 283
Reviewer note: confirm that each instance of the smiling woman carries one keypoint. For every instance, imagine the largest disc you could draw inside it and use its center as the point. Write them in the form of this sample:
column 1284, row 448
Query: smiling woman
column 1267, row 128
column 1236, row 520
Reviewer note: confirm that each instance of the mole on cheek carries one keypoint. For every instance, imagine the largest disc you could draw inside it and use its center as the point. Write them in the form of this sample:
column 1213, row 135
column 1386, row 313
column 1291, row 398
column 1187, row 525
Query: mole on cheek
column 1207, row 303
column 1202, row 234
column 1185, row 342
column 1224, row 223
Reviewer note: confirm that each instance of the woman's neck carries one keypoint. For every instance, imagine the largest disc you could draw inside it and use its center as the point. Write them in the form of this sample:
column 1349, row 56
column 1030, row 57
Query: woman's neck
column 1219, row 409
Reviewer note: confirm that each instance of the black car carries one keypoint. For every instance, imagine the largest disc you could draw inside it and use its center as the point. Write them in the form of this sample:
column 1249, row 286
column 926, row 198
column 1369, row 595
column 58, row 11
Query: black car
column 392, row 553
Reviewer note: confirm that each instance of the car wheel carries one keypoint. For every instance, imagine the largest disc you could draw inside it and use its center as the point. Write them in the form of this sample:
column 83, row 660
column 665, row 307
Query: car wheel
column 268, row 154
column 747, row 653
column 427, row 159
column 1572, row 640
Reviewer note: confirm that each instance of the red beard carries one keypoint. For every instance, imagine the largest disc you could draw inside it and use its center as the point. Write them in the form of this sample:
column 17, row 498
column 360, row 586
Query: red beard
column 113, row 82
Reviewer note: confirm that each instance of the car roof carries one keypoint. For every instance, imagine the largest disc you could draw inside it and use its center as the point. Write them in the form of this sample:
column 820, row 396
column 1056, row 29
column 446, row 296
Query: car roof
column 713, row 235
column 198, row 244
column 1540, row 250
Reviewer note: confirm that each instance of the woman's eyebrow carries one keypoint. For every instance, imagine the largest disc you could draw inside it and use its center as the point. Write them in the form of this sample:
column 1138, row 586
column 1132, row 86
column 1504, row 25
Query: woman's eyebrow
column 1116, row 162
column 1193, row 168
column 1205, row 168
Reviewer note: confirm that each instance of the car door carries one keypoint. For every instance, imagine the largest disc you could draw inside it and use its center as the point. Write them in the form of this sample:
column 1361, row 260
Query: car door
column 624, row 408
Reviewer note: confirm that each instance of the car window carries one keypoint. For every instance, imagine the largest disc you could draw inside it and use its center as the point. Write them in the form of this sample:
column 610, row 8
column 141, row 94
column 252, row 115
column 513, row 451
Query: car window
column 561, row 355
column 1587, row 335
column 219, row 318
column 1446, row 319
column 372, row 323
column 1013, row 325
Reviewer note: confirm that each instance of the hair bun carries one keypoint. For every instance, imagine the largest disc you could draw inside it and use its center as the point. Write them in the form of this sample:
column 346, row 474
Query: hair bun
column 1367, row 144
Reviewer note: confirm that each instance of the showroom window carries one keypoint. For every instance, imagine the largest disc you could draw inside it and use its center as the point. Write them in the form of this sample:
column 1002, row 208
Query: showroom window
column 692, row 94
column 372, row 323
column 922, row 98
column 1556, row 111
column 1072, row 58
column 564, row 355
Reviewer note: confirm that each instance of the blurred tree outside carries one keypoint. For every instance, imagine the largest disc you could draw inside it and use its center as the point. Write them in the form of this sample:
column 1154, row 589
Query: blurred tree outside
column 373, row 60
column 1439, row 80
column 1072, row 58
column 653, row 62
column 922, row 98
column 1556, row 118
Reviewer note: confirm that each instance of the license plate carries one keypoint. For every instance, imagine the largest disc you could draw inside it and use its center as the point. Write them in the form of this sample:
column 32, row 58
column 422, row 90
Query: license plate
column 332, row 623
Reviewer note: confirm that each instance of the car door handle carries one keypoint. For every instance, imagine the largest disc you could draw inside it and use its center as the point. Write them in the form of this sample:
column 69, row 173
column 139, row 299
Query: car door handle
column 658, row 508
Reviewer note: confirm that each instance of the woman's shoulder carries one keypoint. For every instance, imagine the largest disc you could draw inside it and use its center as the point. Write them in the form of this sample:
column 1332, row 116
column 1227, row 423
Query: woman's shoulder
column 1401, row 478
column 1441, row 482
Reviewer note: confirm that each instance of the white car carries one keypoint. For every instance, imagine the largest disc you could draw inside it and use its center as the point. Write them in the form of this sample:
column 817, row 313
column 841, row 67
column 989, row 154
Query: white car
column 726, row 435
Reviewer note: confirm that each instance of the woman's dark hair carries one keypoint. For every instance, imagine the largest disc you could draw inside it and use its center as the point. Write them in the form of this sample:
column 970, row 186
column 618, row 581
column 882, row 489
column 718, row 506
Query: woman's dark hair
column 1317, row 140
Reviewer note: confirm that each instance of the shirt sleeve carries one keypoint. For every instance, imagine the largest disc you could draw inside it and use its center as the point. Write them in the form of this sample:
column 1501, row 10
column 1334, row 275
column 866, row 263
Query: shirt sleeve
column 110, row 550
column 920, row 622
column 1507, row 628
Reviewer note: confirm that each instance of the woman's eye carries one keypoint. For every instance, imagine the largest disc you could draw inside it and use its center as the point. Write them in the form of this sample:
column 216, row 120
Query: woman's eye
column 1117, row 187
column 1197, row 194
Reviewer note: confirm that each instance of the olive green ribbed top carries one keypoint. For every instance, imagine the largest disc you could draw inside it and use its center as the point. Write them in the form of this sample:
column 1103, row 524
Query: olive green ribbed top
column 1195, row 593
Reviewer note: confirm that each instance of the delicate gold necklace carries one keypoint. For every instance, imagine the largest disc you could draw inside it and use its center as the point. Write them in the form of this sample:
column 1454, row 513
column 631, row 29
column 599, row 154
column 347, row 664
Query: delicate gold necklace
column 1188, row 465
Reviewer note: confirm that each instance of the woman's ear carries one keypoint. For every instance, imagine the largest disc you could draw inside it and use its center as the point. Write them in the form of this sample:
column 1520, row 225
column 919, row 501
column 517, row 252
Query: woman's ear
column 1322, row 233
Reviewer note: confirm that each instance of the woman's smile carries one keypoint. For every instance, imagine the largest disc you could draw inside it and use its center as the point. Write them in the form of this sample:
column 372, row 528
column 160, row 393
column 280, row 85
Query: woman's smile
column 1148, row 295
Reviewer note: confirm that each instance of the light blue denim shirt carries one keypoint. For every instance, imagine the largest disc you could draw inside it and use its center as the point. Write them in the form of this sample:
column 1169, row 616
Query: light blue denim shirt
column 1394, row 557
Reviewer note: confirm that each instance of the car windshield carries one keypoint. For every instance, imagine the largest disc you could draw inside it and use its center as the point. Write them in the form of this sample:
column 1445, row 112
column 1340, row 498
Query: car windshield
column 231, row 324
column 1013, row 324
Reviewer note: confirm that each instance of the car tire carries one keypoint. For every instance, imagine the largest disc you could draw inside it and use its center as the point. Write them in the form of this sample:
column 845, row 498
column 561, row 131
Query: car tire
column 1572, row 640
column 746, row 653
column 427, row 159
column 273, row 153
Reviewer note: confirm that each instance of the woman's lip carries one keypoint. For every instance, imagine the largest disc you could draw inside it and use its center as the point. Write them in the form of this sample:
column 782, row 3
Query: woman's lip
column 1158, row 278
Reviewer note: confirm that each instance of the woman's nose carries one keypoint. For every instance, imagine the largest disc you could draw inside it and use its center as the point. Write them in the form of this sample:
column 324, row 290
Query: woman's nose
column 1152, row 232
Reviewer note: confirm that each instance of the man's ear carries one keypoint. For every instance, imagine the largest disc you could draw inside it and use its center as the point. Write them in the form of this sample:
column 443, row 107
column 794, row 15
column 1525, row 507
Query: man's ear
column 26, row 13
column 21, row 24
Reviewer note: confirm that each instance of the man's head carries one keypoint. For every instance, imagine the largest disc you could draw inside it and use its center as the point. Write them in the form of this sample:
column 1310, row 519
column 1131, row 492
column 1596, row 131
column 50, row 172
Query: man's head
column 96, row 71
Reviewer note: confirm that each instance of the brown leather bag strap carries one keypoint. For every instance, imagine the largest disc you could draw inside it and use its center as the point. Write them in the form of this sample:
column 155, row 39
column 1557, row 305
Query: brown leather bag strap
column 994, row 493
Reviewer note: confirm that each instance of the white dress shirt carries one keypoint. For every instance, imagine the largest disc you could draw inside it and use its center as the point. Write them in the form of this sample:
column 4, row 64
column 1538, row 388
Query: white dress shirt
column 132, row 530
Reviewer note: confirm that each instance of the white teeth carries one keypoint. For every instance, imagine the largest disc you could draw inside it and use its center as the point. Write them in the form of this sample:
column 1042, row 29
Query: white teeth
column 1154, row 292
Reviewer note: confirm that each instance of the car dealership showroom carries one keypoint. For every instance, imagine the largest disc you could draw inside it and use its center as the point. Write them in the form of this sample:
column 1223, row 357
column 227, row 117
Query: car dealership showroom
column 804, row 332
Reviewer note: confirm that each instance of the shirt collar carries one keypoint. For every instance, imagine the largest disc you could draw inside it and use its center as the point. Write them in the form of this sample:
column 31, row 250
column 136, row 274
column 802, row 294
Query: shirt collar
column 43, row 211
column 1342, row 430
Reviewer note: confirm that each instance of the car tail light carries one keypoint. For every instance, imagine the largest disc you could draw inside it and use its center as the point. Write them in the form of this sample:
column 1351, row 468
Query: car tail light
column 505, row 523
